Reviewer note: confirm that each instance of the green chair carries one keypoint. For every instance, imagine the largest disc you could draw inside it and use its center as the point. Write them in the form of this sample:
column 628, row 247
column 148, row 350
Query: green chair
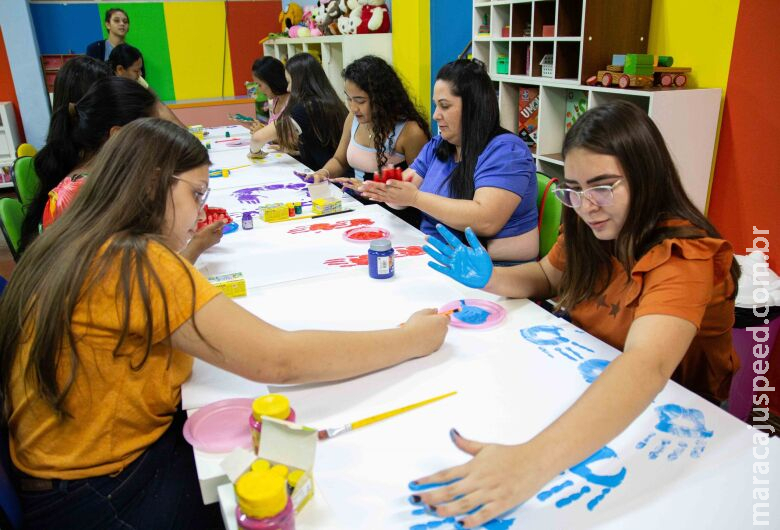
column 11, row 217
column 25, row 179
column 549, row 213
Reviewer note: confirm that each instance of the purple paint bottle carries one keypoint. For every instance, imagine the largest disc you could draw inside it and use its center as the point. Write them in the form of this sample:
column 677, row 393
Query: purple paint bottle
column 380, row 259
column 246, row 221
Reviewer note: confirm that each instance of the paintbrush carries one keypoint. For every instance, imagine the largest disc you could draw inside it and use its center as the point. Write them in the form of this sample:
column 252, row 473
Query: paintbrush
column 325, row 434
column 451, row 311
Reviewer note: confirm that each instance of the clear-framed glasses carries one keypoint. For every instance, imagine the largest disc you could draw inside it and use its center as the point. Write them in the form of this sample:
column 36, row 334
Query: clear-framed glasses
column 598, row 195
column 200, row 194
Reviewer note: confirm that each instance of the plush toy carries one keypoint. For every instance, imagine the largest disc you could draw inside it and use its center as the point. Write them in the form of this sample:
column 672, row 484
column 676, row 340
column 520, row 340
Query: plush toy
column 290, row 16
column 374, row 17
column 309, row 23
column 327, row 19
column 350, row 19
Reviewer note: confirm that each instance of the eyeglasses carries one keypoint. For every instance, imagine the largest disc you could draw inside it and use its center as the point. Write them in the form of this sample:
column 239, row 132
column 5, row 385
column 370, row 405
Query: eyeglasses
column 598, row 195
column 200, row 195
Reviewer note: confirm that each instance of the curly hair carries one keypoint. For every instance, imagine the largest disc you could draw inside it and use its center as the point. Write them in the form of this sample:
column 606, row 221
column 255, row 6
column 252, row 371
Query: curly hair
column 390, row 103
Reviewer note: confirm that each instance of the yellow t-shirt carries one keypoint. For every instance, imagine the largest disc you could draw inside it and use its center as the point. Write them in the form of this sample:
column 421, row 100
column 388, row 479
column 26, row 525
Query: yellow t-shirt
column 116, row 410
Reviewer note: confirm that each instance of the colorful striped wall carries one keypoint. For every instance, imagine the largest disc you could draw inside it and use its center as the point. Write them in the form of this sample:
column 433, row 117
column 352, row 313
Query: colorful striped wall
column 191, row 49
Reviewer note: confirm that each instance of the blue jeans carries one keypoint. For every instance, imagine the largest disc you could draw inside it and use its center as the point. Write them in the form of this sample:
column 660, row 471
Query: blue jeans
column 159, row 490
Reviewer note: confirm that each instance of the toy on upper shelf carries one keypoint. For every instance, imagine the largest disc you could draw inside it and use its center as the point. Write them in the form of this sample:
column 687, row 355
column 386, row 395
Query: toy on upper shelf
column 351, row 16
column 374, row 17
column 636, row 70
column 290, row 17
column 327, row 17
column 547, row 65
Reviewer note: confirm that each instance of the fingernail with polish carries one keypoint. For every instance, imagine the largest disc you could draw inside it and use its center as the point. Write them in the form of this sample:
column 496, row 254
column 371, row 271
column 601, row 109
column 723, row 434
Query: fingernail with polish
column 432, row 508
column 454, row 433
column 414, row 499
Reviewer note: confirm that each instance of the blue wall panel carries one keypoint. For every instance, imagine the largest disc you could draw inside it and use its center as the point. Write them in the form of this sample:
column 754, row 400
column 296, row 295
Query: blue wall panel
column 62, row 28
column 450, row 33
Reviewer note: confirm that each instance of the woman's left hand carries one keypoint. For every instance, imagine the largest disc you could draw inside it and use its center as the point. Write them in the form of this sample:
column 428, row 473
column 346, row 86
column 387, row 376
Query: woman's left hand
column 397, row 192
column 497, row 479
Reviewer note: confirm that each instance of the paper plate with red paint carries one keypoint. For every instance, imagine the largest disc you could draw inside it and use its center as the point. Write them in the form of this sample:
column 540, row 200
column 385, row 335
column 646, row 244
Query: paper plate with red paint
column 366, row 234
column 474, row 313
column 221, row 426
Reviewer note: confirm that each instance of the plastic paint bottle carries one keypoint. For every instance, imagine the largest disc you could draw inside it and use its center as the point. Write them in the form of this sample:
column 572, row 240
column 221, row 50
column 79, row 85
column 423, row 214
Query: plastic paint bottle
column 298, row 208
column 290, row 209
column 263, row 502
column 274, row 405
column 246, row 221
column 380, row 259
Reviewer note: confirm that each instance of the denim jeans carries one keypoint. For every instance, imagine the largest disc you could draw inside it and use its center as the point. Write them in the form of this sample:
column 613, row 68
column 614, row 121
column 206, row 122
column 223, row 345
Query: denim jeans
column 159, row 490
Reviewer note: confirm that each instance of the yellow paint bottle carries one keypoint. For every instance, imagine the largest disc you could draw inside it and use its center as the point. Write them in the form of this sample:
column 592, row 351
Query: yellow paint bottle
column 273, row 405
column 263, row 502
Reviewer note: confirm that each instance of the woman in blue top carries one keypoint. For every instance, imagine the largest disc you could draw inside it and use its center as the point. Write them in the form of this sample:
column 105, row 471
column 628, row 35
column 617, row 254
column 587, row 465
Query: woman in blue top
column 475, row 173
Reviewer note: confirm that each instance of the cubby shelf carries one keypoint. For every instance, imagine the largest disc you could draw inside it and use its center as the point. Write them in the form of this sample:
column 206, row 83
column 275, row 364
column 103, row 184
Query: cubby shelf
column 335, row 51
column 583, row 41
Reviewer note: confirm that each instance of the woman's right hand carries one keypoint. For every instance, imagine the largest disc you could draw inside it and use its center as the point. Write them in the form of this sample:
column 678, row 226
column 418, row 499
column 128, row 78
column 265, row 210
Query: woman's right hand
column 346, row 182
column 321, row 175
column 430, row 328
column 469, row 265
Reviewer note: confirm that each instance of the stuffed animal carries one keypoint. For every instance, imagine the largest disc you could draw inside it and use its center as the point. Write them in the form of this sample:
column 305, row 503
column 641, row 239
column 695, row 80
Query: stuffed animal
column 347, row 25
column 290, row 17
column 329, row 16
column 309, row 23
column 374, row 17
column 350, row 20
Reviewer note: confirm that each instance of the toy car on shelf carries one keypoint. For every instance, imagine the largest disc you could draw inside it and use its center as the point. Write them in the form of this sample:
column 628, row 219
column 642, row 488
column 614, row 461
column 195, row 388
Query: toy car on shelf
column 641, row 71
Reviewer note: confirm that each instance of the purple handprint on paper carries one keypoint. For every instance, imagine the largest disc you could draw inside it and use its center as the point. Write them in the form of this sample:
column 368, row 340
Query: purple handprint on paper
column 253, row 195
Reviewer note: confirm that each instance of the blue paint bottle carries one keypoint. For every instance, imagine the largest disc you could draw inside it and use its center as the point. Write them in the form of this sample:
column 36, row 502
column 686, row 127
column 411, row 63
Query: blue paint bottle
column 380, row 259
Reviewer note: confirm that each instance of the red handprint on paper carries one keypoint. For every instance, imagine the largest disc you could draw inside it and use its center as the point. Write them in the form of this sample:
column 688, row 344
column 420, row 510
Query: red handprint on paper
column 362, row 259
column 319, row 227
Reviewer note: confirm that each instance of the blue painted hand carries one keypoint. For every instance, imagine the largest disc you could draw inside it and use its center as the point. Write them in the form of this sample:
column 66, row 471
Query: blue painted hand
column 438, row 522
column 680, row 425
column 548, row 336
column 606, row 461
column 467, row 264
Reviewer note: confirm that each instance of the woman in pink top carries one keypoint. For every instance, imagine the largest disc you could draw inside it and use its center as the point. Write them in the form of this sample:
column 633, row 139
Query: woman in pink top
column 383, row 128
column 268, row 73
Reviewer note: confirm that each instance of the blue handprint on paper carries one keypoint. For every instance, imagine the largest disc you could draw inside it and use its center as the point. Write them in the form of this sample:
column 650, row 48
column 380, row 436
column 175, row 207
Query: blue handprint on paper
column 548, row 336
column 440, row 522
column 584, row 471
column 591, row 369
column 685, row 426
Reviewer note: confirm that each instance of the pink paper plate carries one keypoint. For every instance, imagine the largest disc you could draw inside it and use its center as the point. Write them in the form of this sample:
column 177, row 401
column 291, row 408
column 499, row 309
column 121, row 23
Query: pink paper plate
column 366, row 234
column 221, row 426
column 473, row 318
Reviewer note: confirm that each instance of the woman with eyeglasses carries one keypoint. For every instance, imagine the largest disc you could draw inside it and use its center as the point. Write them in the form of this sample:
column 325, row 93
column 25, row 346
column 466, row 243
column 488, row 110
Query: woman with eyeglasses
column 639, row 267
column 102, row 320
column 474, row 173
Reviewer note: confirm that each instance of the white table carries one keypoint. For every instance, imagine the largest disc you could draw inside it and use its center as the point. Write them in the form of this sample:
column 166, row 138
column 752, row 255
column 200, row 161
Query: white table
column 508, row 390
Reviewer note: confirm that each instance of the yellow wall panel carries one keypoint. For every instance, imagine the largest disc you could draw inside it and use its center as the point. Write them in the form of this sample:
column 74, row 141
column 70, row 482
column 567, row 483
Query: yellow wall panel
column 200, row 55
column 697, row 33
column 412, row 48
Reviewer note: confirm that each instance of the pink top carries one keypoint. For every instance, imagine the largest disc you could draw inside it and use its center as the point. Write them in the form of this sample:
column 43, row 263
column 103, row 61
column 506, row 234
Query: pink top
column 363, row 159
column 273, row 116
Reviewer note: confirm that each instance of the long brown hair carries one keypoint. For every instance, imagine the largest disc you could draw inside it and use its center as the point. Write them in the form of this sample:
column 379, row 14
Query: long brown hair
column 309, row 86
column 623, row 130
column 121, row 207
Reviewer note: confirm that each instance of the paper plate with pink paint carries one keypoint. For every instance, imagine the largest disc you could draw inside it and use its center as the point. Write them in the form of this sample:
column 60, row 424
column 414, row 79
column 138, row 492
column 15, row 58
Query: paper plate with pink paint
column 366, row 234
column 221, row 426
column 474, row 313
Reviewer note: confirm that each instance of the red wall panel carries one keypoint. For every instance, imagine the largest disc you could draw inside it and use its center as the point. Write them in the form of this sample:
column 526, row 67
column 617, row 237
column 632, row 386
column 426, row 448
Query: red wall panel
column 7, row 90
column 248, row 22
column 746, row 186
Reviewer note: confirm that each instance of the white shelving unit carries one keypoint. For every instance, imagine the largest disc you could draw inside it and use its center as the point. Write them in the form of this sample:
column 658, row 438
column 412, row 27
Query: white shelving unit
column 687, row 118
column 336, row 51
column 9, row 138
